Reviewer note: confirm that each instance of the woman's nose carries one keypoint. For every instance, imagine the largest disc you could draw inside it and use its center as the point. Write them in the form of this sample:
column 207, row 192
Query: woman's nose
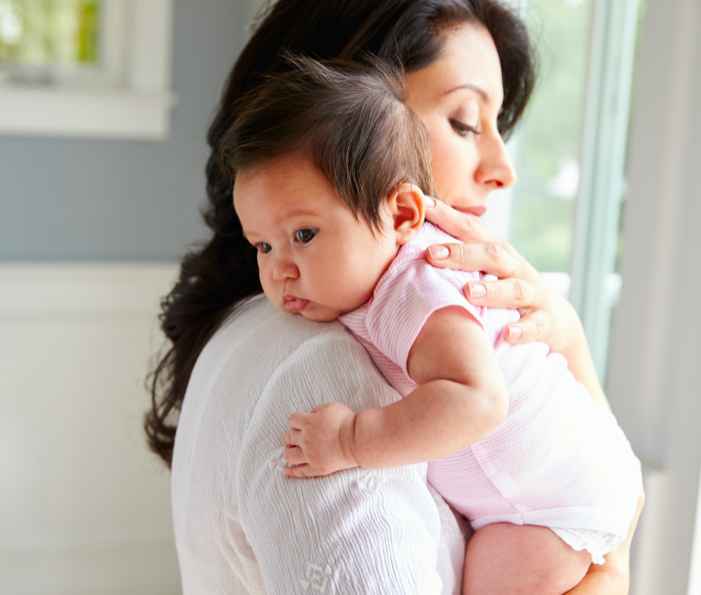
column 495, row 168
column 284, row 269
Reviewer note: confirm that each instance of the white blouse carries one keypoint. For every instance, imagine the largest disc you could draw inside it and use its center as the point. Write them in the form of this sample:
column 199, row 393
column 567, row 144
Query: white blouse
column 242, row 526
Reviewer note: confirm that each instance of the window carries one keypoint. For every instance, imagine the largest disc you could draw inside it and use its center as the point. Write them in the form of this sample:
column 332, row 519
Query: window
column 86, row 68
column 563, row 214
column 48, row 38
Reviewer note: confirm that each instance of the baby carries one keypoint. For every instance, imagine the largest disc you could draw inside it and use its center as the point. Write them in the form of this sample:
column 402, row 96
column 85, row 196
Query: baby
column 330, row 174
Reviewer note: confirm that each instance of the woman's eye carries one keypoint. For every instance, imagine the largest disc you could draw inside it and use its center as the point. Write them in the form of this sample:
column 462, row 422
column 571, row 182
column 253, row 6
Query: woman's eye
column 264, row 248
column 462, row 129
column 304, row 236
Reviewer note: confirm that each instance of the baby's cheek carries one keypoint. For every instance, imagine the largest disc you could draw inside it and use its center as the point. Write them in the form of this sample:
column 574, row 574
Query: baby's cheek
column 268, row 286
column 356, row 291
column 351, row 279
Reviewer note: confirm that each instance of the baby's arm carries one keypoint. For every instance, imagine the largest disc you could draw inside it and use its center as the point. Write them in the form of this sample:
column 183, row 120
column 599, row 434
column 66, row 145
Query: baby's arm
column 461, row 397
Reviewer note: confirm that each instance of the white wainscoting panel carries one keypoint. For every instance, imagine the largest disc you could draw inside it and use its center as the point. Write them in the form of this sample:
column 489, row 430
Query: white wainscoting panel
column 84, row 507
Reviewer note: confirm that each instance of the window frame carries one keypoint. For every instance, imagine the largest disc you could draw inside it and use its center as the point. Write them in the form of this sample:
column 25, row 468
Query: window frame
column 595, row 286
column 131, row 99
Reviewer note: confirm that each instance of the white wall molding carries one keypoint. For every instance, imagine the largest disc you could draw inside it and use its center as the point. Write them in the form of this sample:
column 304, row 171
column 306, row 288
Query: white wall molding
column 144, row 569
column 41, row 290
column 85, row 507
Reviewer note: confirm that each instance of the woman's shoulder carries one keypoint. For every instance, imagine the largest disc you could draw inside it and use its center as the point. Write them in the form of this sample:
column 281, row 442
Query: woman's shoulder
column 256, row 322
column 261, row 366
column 261, row 355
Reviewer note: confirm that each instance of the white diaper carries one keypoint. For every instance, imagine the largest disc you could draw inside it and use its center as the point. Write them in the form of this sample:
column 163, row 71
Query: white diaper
column 597, row 543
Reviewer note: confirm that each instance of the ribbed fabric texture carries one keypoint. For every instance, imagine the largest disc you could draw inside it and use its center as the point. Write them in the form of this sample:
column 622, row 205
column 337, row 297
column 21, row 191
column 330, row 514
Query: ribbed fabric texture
column 558, row 460
column 241, row 526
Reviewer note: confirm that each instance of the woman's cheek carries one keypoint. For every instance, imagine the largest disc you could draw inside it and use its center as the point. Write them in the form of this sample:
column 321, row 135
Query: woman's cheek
column 445, row 179
column 445, row 160
column 457, row 174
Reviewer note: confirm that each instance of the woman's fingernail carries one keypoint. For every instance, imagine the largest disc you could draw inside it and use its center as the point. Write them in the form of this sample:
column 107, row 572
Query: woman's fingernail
column 439, row 252
column 477, row 291
column 429, row 202
column 515, row 332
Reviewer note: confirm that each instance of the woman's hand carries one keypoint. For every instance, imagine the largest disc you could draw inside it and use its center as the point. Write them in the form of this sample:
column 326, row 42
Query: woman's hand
column 320, row 442
column 545, row 315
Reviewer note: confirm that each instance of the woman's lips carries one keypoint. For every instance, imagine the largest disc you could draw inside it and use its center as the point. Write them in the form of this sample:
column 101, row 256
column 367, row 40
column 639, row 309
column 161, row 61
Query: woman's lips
column 294, row 303
column 474, row 211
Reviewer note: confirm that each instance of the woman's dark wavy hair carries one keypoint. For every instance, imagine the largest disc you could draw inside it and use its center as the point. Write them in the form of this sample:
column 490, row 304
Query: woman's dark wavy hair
column 216, row 277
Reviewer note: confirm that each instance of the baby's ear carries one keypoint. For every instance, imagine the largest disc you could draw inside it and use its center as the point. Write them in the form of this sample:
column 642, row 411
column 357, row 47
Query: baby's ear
column 406, row 204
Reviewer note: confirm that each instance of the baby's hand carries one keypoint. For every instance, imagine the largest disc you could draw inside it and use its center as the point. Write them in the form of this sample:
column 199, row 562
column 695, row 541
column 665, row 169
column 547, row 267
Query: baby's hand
column 320, row 442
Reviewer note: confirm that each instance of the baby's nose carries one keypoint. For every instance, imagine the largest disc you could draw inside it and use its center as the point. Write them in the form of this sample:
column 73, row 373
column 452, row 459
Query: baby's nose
column 284, row 269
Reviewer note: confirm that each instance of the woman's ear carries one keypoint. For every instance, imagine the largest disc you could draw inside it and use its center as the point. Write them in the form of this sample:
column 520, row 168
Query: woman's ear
column 406, row 204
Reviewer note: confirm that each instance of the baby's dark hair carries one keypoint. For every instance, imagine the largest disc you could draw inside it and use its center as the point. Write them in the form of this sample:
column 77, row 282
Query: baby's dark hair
column 348, row 118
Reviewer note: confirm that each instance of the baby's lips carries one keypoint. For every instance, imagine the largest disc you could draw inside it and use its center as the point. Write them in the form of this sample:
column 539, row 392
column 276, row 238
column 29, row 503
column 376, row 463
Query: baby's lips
column 294, row 303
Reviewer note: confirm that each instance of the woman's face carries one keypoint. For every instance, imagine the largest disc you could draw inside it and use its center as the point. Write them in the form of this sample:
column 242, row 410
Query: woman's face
column 458, row 98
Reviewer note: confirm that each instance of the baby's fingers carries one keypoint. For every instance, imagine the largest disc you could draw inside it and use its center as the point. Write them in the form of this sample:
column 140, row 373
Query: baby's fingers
column 302, row 471
column 296, row 471
column 532, row 327
column 296, row 420
column 294, row 455
column 291, row 438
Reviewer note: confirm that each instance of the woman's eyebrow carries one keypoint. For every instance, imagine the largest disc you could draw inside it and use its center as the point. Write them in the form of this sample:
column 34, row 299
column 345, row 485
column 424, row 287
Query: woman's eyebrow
column 479, row 90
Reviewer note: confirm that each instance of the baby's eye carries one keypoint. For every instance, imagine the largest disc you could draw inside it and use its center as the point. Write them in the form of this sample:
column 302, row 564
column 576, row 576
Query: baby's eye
column 304, row 236
column 264, row 248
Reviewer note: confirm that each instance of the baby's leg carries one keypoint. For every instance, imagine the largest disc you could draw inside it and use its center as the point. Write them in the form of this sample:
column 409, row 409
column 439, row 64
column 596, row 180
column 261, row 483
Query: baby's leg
column 521, row 560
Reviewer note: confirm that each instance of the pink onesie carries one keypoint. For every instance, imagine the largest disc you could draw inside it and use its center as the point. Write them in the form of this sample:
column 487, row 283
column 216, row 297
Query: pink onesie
column 558, row 460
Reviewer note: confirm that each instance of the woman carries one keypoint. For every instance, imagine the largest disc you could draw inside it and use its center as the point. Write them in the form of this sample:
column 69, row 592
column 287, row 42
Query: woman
column 462, row 58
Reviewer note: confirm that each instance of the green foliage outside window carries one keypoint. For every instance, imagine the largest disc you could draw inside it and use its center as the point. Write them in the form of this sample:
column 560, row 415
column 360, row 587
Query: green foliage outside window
column 549, row 140
column 47, row 33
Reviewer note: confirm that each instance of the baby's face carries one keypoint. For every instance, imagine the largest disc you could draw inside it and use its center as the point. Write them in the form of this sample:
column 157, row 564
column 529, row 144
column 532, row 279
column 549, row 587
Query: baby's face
column 314, row 256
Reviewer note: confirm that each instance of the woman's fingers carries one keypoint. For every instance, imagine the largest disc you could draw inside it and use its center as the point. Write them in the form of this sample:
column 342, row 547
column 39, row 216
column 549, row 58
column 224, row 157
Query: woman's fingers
column 546, row 316
column 534, row 326
column 460, row 225
column 480, row 256
column 466, row 228
column 505, row 293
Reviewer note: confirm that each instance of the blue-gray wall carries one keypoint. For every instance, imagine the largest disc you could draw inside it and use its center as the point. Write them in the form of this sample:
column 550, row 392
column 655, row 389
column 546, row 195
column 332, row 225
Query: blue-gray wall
column 85, row 200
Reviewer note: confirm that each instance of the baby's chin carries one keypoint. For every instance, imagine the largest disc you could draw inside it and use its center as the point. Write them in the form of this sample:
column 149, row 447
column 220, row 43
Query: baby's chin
column 321, row 314
column 312, row 311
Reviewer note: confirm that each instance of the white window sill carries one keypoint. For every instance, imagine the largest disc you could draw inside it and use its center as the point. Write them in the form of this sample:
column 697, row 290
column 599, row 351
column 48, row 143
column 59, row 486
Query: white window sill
column 85, row 113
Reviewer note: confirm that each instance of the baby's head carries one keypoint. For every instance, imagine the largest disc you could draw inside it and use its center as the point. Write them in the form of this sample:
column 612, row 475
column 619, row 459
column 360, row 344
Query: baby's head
column 329, row 170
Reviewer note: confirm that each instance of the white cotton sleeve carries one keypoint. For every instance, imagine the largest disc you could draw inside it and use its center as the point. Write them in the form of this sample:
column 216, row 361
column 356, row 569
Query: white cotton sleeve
column 358, row 531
